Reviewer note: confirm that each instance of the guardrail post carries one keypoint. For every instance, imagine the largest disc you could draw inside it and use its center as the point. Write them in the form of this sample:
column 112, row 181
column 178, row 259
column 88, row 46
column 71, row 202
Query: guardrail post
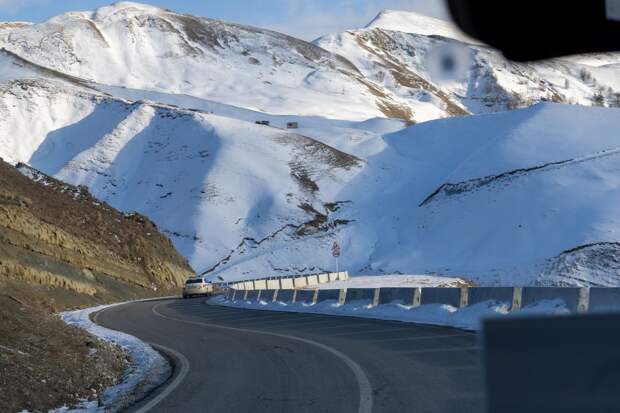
column 315, row 297
column 245, row 295
column 294, row 296
column 375, row 297
column 584, row 300
column 279, row 283
column 258, row 296
column 275, row 296
column 342, row 296
column 464, row 301
column 517, row 298
column 233, row 295
column 417, row 297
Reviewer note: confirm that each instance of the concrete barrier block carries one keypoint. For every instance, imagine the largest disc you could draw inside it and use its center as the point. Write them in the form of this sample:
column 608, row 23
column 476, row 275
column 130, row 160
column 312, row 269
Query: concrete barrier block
column 301, row 282
column 604, row 299
column 569, row 295
column 438, row 295
column 357, row 294
column 313, row 280
column 323, row 278
column 343, row 276
column 287, row 284
column 249, row 285
column 333, row 276
column 273, row 284
column 260, row 284
column 325, row 295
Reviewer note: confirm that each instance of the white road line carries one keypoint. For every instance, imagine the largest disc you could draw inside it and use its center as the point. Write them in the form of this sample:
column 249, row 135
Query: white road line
column 365, row 389
column 173, row 385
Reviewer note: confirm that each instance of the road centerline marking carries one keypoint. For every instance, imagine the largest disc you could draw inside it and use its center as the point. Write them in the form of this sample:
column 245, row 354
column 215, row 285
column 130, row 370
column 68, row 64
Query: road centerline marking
column 365, row 388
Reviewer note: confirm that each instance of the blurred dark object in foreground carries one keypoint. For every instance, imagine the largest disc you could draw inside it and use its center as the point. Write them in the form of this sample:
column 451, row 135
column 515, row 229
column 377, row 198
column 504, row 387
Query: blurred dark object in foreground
column 533, row 30
column 553, row 364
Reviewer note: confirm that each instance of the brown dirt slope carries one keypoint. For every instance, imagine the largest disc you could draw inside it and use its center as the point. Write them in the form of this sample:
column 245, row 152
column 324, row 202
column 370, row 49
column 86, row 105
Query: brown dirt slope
column 45, row 364
column 60, row 246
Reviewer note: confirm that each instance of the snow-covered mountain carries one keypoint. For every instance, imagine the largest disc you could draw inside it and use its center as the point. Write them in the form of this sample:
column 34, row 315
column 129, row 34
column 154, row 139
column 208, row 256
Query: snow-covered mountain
column 392, row 68
column 410, row 22
column 155, row 112
column 144, row 47
column 218, row 185
column 417, row 58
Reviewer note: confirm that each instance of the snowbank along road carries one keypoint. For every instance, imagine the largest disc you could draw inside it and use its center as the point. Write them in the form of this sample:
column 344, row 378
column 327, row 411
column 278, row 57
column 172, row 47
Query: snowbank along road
column 244, row 360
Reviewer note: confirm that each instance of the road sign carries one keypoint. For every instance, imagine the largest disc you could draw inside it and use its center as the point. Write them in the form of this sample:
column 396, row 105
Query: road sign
column 336, row 250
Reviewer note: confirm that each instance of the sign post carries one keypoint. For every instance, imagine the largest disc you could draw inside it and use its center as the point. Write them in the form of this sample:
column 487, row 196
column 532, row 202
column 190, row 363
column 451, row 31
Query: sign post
column 336, row 253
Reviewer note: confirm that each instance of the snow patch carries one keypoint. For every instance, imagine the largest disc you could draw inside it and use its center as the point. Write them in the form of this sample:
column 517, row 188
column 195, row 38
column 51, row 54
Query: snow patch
column 467, row 318
column 148, row 368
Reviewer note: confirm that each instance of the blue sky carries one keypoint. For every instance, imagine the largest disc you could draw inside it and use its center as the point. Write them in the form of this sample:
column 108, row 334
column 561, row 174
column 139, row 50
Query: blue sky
column 307, row 19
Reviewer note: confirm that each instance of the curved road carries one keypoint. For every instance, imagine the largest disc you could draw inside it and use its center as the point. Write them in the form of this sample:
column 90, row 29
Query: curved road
column 258, row 361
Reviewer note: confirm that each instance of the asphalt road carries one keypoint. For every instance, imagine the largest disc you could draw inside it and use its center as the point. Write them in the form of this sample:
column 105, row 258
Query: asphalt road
column 259, row 361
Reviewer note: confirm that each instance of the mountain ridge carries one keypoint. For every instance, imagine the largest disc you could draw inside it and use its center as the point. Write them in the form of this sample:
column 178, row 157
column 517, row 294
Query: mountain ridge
column 241, row 199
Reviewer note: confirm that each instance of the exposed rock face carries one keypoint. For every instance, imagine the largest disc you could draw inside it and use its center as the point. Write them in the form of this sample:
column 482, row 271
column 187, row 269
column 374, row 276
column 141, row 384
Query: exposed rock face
column 61, row 246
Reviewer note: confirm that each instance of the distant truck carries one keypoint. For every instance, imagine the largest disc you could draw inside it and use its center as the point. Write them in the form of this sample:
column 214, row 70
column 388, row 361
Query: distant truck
column 292, row 125
column 262, row 122
column 197, row 286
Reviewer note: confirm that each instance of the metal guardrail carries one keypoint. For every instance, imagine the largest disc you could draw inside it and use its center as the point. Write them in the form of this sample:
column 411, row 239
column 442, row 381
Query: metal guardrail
column 289, row 282
column 577, row 300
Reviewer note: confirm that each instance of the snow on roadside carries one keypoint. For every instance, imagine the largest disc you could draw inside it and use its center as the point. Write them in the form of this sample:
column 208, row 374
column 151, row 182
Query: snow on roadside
column 148, row 368
column 467, row 318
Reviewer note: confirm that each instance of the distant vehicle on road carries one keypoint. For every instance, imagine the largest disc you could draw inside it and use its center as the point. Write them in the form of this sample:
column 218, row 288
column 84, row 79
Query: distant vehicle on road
column 197, row 286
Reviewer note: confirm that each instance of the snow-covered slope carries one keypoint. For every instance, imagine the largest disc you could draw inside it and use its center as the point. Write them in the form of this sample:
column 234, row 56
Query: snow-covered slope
column 144, row 47
column 393, row 68
column 410, row 22
column 219, row 186
column 520, row 197
column 419, row 58
column 523, row 197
